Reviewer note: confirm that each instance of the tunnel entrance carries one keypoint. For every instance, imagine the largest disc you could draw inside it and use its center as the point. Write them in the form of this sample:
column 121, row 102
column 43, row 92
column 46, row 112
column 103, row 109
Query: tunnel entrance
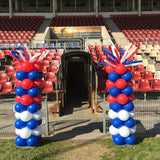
column 77, row 80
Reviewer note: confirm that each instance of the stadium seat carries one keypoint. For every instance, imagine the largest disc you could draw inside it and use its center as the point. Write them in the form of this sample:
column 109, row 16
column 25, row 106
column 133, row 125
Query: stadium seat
column 144, row 85
column 150, row 67
column 6, row 87
column 53, row 69
column 3, row 77
column 135, row 85
column 48, row 87
column 148, row 75
column 12, row 78
column 156, row 84
column 139, row 68
column 9, row 70
column 136, row 75
column 157, row 75
column 50, row 76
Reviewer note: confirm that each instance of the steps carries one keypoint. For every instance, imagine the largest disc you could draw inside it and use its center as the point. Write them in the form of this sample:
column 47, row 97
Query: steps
column 39, row 36
column 116, row 33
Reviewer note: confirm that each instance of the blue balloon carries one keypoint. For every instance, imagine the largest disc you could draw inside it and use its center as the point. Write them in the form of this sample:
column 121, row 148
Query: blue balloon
column 129, row 123
column 19, row 124
column 32, row 124
column 114, row 91
column 117, row 123
column 33, row 107
column 39, row 106
column 19, row 107
column 33, row 75
column 20, row 141
column 128, row 107
column 130, row 139
column 113, row 76
column 32, row 141
column 41, row 75
column 40, row 90
column 115, row 106
column 39, row 122
column 118, row 139
column 33, row 92
column 20, row 91
column 127, row 91
column 111, row 120
column 127, row 76
column 39, row 138
column 21, row 75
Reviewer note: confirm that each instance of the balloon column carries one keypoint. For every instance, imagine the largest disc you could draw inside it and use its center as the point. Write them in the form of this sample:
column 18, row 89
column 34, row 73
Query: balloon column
column 121, row 113
column 28, row 96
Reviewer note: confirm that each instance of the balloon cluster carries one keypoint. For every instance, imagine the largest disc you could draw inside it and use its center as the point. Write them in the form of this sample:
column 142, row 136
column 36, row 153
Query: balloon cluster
column 28, row 97
column 120, row 96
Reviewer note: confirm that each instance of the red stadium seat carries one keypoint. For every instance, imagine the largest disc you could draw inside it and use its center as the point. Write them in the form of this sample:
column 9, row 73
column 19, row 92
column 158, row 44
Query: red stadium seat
column 50, row 76
column 48, row 87
column 3, row 77
column 144, row 85
column 136, row 75
column 6, row 87
column 53, row 69
column 12, row 78
column 148, row 75
column 9, row 70
column 140, row 68
column 156, row 84
column 135, row 85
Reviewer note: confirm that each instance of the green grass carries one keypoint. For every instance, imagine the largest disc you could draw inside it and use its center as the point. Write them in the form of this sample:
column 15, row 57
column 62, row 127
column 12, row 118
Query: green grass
column 144, row 149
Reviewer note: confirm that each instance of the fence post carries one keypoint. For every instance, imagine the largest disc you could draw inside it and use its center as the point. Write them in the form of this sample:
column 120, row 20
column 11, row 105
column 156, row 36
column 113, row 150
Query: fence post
column 46, row 116
column 104, row 113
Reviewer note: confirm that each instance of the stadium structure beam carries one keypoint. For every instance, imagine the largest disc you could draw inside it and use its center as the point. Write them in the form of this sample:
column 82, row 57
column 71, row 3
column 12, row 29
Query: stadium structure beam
column 139, row 7
column 133, row 5
column 10, row 8
column 54, row 2
column 96, row 7
column 16, row 5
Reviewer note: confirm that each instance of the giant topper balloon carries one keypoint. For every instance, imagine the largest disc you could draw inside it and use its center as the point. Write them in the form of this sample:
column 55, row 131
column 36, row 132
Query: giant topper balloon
column 28, row 96
column 120, row 96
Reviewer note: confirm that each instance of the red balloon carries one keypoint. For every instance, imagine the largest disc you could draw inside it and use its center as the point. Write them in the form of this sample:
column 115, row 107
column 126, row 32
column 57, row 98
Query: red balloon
column 27, row 66
column 38, row 66
column 110, row 84
column 19, row 67
column 18, row 98
column 109, row 69
column 122, row 99
column 19, row 83
column 120, row 69
column 38, row 83
column 111, row 99
column 26, row 99
column 27, row 83
column 131, row 97
column 121, row 83
column 38, row 99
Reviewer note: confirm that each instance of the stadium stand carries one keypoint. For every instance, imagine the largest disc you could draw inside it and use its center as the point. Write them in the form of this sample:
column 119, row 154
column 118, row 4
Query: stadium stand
column 139, row 28
column 90, row 20
column 18, row 29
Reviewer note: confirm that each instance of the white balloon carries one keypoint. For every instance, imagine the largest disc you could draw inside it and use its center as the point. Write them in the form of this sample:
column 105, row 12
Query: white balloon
column 133, row 129
column 17, row 131
column 38, row 115
column 26, row 116
column 17, row 115
column 132, row 113
column 124, row 131
column 113, row 130
column 123, row 115
column 37, row 131
column 112, row 114
column 25, row 133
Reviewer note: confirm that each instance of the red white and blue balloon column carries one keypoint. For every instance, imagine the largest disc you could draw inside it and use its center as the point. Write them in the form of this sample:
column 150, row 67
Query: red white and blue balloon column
column 28, row 96
column 120, row 96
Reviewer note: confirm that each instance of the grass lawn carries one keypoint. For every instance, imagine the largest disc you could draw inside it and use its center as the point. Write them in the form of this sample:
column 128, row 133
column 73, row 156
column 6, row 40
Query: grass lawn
column 144, row 149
